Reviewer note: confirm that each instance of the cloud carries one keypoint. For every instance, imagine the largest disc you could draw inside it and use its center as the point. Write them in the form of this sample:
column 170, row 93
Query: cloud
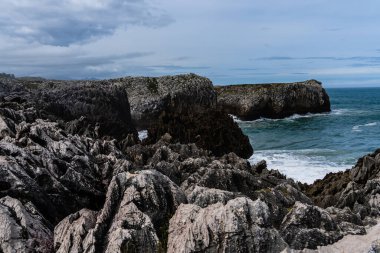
column 353, row 58
column 178, row 68
column 243, row 69
column 64, row 22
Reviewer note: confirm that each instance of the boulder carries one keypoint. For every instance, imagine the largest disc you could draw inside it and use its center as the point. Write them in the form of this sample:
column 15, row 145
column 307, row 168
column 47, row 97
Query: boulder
column 134, row 218
column 307, row 226
column 240, row 225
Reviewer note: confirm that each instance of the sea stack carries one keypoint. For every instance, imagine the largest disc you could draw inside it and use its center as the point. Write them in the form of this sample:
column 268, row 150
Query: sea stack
column 275, row 100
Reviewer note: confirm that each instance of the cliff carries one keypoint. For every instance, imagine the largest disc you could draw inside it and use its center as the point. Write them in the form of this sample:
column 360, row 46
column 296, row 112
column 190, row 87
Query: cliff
column 278, row 100
column 185, row 107
column 150, row 96
column 74, row 180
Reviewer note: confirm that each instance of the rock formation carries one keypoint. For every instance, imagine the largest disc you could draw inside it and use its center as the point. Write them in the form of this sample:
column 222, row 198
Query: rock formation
column 70, row 182
column 210, row 129
column 278, row 100
column 184, row 106
column 357, row 189
column 150, row 96
column 22, row 228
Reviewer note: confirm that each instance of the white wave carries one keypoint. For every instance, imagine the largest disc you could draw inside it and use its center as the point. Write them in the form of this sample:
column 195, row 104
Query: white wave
column 143, row 134
column 235, row 118
column 334, row 112
column 301, row 165
column 357, row 128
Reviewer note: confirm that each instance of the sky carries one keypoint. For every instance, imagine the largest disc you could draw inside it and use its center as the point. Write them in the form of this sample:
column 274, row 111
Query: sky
column 228, row 41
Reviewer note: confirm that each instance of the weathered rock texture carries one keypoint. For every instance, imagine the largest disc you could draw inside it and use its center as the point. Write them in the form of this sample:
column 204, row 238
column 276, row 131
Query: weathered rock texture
column 134, row 217
column 241, row 225
column 56, row 171
column 93, row 108
column 74, row 180
column 22, row 228
column 210, row 129
column 150, row 96
column 278, row 100
column 357, row 189
column 183, row 105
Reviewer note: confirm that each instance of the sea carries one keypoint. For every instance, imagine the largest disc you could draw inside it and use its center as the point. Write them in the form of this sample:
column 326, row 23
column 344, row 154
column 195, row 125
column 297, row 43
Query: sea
column 307, row 147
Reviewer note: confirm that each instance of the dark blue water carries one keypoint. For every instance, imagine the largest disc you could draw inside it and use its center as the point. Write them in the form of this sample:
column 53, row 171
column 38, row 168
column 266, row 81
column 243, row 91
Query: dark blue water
column 307, row 147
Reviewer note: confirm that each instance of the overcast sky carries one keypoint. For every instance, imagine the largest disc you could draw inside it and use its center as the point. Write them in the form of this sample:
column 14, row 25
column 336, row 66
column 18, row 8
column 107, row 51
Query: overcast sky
column 229, row 41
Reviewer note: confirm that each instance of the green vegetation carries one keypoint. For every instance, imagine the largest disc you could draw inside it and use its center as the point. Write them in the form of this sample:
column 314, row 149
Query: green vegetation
column 32, row 85
column 152, row 85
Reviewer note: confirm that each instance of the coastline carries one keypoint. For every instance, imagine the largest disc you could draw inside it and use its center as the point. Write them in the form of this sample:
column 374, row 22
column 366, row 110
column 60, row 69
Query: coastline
column 78, row 178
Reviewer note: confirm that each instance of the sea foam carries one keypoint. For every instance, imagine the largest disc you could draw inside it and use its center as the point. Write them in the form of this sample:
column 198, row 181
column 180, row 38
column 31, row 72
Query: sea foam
column 357, row 128
column 305, row 165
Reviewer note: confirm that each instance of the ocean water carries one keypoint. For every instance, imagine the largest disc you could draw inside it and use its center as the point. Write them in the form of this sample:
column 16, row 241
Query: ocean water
column 308, row 147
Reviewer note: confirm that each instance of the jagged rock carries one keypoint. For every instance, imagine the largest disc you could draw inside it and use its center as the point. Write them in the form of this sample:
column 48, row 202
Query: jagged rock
column 23, row 229
column 281, row 199
column 183, row 106
column 150, row 96
column 348, row 222
column 98, row 108
column 278, row 100
column 58, row 172
column 69, row 233
column 204, row 197
column 191, row 168
column 121, row 196
column 357, row 188
column 92, row 108
column 241, row 225
column 134, row 218
column 366, row 168
column 306, row 226
column 210, row 129
column 375, row 247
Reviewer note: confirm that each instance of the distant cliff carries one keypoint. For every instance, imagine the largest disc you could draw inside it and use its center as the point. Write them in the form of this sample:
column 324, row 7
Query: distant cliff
column 277, row 100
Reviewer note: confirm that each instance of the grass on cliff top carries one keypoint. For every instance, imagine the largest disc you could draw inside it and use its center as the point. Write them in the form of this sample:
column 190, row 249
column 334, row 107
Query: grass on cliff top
column 236, row 88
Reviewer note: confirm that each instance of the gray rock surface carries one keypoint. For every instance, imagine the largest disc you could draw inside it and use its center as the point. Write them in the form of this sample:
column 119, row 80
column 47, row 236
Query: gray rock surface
column 134, row 218
column 278, row 100
column 150, row 96
column 58, row 172
column 92, row 108
column 357, row 189
column 63, row 164
column 241, row 225
column 22, row 228
column 307, row 226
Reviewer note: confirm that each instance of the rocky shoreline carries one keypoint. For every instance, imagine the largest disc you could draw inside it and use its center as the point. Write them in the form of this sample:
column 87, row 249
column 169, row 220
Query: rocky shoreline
column 75, row 178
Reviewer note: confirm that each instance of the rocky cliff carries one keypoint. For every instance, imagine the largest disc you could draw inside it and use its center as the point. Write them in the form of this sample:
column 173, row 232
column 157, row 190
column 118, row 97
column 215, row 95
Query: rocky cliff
column 70, row 182
column 183, row 105
column 278, row 100
column 150, row 96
